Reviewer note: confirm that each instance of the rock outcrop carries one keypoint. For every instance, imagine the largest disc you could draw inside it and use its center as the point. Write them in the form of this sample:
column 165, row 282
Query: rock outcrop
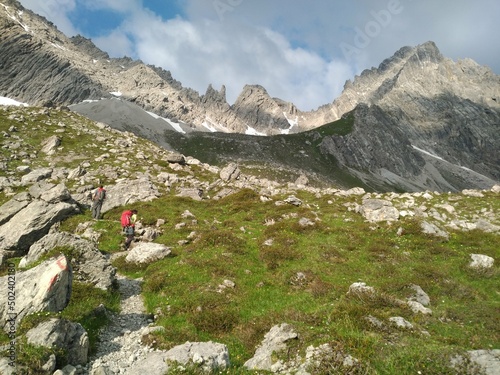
column 88, row 263
column 62, row 334
column 46, row 287
column 31, row 216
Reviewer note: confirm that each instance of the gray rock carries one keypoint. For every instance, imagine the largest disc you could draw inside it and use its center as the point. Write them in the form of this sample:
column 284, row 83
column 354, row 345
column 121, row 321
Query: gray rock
column 50, row 365
column 154, row 364
column 62, row 334
column 417, row 307
column 401, row 322
column 488, row 360
column 484, row 362
column 419, row 295
column 128, row 192
column 36, row 175
column 486, row 226
column 209, row 356
column 6, row 368
column 274, row 341
column 193, row 193
column 88, row 263
column 46, row 287
column 377, row 210
column 230, row 172
column 67, row 370
column 32, row 223
column 176, row 159
column 302, row 180
column 293, row 200
column 50, row 145
column 360, row 288
column 433, row 229
column 147, row 252
column 12, row 207
column 480, row 261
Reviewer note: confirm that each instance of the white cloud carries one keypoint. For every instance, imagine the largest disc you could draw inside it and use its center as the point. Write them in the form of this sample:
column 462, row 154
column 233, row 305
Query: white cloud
column 231, row 54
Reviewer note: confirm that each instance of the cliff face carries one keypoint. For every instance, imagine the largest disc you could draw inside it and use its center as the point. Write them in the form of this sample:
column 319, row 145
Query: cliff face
column 418, row 106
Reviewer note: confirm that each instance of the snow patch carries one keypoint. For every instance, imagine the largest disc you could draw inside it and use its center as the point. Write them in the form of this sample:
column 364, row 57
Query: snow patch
column 213, row 126
column 209, row 127
column 58, row 46
column 427, row 153
column 175, row 125
column 26, row 28
column 8, row 101
column 252, row 131
column 292, row 123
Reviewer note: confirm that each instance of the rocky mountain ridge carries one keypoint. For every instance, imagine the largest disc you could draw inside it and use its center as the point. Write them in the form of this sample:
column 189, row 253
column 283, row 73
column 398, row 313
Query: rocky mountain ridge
column 421, row 121
column 31, row 44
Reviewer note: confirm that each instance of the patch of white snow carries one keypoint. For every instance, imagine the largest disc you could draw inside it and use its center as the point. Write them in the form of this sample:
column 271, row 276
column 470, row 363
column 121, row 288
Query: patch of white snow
column 8, row 101
column 252, row 131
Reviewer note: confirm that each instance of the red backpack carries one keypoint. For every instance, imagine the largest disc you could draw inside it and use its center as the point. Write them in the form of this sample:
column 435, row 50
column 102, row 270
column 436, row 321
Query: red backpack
column 125, row 219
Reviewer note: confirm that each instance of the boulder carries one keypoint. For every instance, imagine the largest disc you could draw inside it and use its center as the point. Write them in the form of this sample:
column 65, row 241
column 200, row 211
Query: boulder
column 147, row 252
column 193, row 193
column 230, row 173
column 32, row 223
column 153, row 364
column 62, row 334
column 128, row 192
column 485, row 362
column 12, row 207
column 36, row 175
column 433, row 230
column 302, row 180
column 88, row 263
column 210, row 356
column 46, row 287
column 480, row 261
column 274, row 341
column 28, row 216
column 417, row 307
column 377, row 210
column 176, row 159
column 6, row 367
column 419, row 295
column 401, row 322
column 360, row 288
column 50, row 145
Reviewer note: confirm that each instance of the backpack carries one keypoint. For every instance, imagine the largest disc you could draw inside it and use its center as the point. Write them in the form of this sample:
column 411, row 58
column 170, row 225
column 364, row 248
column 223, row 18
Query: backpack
column 125, row 219
column 100, row 195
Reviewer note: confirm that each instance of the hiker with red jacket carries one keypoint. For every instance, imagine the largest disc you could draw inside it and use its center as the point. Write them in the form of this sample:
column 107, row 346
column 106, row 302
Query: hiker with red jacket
column 128, row 220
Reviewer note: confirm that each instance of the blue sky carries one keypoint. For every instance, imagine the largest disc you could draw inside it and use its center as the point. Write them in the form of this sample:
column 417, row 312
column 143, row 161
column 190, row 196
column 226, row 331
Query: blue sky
column 301, row 51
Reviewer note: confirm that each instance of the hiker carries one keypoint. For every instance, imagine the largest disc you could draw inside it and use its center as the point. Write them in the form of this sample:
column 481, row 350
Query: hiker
column 98, row 198
column 128, row 220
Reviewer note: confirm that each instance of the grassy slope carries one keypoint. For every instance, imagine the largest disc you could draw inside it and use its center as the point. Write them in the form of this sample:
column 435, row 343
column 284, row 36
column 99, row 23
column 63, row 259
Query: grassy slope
column 300, row 278
column 282, row 157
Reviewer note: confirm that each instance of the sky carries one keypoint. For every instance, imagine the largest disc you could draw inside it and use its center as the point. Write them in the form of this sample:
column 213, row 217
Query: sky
column 301, row 51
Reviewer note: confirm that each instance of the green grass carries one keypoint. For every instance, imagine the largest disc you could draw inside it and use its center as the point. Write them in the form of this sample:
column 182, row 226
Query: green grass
column 328, row 256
